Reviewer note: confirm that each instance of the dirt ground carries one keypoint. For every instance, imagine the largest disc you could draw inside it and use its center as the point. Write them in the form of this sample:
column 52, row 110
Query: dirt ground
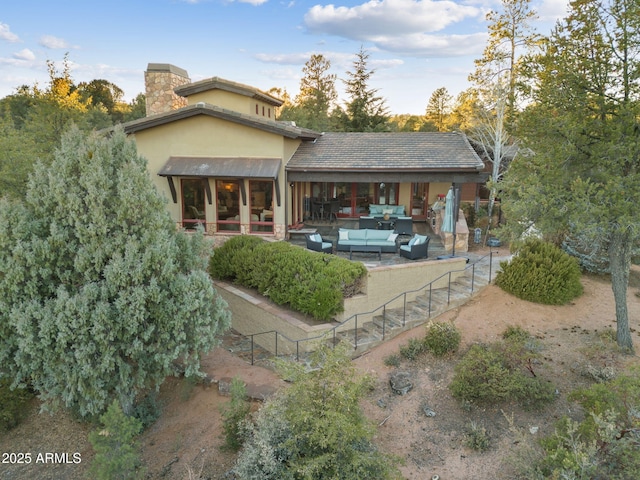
column 185, row 443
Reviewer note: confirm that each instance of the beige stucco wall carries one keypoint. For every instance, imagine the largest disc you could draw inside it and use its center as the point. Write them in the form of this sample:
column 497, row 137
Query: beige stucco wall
column 386, row 282
column 436, row 189
column 211, row 137
column 233, row 101
column 252, row 314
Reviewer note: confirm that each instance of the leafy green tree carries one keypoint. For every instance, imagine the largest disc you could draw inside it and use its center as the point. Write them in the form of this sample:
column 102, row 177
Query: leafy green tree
column 99, row 294
column 582, row 131
column 366, row 110
column 439, row 108
column 315, row 429
column 114, row 443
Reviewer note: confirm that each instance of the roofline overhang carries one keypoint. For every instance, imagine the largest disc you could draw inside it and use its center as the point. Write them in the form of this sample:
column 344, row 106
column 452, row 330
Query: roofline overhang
column 201, row 108
column 424, row 176
column 217, row 83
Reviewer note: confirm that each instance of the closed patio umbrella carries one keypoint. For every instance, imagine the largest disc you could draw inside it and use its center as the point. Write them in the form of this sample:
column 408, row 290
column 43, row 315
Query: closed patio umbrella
column 449, row 221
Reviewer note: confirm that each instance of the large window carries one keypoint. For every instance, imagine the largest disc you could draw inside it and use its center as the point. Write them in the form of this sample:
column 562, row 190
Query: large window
column 261, row 192
column 193, row 204
column 228, row 205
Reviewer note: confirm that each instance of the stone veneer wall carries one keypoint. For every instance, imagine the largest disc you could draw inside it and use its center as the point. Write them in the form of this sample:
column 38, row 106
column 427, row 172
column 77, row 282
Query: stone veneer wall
column 160, row 80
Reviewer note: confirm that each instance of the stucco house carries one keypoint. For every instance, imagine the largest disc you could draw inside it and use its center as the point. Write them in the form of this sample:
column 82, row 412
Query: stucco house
column 217, row 152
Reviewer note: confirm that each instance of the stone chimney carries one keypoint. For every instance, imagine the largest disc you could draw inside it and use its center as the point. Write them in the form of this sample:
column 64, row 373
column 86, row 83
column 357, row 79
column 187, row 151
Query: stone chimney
column 160, row 79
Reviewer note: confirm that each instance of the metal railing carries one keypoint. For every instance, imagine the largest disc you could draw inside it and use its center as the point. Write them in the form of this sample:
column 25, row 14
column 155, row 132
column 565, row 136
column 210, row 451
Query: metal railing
column 333, row 332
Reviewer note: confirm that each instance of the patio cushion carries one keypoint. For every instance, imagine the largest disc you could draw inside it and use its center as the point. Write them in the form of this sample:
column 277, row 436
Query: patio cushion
column 392, row 237
column 406, row 248
column 327, row 245
column 315, row 237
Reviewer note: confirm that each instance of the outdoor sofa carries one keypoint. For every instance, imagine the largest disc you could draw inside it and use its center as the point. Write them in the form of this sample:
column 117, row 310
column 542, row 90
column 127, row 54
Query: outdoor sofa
column 385, row 239
column 391, row 210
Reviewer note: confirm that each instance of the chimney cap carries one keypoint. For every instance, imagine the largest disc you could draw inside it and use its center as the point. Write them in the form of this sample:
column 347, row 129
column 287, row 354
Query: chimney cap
column 167, row 67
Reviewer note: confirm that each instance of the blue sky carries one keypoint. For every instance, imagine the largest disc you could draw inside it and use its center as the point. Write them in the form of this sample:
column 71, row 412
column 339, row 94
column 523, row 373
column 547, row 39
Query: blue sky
column 415, row 46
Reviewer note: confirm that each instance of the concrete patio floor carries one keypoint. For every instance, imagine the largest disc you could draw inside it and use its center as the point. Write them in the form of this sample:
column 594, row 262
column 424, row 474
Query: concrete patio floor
column 329, row 232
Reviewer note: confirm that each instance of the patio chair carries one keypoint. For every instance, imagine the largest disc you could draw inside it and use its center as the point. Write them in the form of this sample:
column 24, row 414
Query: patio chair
column 367, row 222
column 417, row 247
column 404, row 226
column 334, row 209
column 315, row 243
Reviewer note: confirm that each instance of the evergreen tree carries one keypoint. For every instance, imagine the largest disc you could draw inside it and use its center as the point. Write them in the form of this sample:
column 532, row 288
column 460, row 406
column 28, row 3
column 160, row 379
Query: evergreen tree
column 439, row 108
column 366, row 111
column 99, row 294
column 316, row 428
column 582, row 131
column 114, row 443
column 317, row 93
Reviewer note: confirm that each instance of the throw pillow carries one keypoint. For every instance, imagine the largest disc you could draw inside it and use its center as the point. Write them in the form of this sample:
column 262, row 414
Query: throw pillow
column 412, row 242
column 392, row 237
column 418, row 240
column 387, row 211
column 316, row 237
column 343, row 234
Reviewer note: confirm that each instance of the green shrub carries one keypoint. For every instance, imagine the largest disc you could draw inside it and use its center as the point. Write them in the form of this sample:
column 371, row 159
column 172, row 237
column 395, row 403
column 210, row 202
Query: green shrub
column 477, row 437
column 541, row 272
column 606, row 443
column 413, row 349
column 148, row 409
column 392, row 360
column 442, row 338
column 14, row 404
column 497, row 373
column 234, row 413
column 307, row 282
column 315, row 428
column 117, row 454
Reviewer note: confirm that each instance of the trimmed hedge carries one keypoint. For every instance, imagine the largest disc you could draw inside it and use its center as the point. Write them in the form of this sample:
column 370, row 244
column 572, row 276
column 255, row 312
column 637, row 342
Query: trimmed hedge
column 541, row 273
column 308, row 282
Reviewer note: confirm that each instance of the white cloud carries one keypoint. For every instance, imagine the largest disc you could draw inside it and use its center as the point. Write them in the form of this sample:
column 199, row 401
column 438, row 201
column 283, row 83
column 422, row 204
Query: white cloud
column 24, row 54
column 7, row 34
column 552, row 10
column 439, row 46
column 387, row 17
column 49, row 41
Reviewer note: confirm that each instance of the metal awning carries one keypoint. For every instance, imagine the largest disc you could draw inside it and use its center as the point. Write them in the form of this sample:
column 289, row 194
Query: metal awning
column 221, row 167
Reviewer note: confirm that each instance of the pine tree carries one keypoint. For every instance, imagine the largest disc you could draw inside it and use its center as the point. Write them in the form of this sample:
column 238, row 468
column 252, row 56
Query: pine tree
column 366, row 111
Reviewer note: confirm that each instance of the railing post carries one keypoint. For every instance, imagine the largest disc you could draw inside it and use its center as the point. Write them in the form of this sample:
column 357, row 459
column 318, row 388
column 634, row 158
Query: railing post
column 404, row 310
column 490, row 264
column 356, row 333
column 473, row 276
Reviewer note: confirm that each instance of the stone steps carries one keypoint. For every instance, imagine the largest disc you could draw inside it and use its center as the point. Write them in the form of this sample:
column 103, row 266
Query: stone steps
column 425, row 307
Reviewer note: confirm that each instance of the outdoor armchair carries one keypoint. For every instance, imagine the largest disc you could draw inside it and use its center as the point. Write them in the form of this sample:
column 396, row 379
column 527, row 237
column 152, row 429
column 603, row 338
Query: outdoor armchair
column 417, row 247
column 315, row 243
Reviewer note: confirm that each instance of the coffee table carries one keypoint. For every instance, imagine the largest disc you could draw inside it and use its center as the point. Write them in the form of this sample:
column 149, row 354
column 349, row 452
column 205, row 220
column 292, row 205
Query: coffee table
column 365, row 248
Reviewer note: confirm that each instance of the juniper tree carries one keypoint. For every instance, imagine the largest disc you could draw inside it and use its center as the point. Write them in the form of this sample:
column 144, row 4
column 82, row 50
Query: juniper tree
column 581, row 129
column 99, row 294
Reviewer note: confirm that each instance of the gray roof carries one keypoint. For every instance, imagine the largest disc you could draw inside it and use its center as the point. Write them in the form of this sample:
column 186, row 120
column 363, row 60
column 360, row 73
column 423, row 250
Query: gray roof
column 391, row 151
column 217, row 83
column 221, row 167
column 280, row 128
